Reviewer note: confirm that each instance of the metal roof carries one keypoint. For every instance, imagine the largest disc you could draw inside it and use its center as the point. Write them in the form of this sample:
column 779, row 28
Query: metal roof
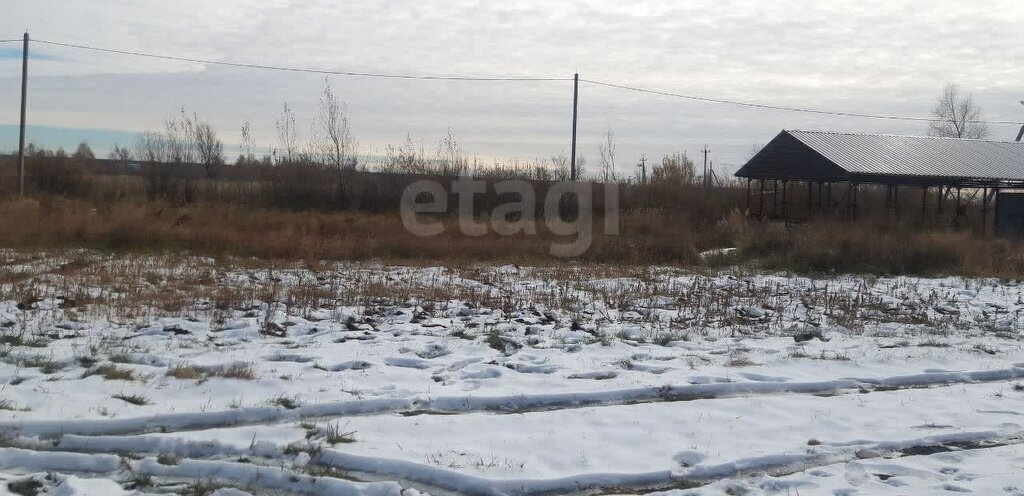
column 913, row 156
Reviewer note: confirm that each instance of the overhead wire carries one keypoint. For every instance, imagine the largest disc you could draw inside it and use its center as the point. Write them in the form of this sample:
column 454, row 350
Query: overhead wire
column 300, row 69
column 779, row 107
column 755, row 105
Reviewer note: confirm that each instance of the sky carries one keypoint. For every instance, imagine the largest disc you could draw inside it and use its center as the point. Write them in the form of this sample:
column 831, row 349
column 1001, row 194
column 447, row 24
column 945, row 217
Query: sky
column 866, row 56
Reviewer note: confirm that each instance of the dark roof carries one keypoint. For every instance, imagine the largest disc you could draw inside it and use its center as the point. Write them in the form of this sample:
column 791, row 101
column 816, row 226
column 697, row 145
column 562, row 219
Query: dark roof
column 819, row 155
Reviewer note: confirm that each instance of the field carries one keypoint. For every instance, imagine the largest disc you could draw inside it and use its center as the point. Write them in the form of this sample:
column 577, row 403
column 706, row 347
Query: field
column 152, row 374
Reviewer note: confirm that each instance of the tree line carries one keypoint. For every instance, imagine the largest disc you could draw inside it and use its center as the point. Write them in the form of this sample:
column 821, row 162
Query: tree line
column 187, row 138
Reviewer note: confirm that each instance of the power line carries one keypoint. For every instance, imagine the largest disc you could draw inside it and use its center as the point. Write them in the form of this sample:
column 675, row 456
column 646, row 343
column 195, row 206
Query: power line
column 11, row 40
column 783, row 108
column 762, row 106
column 298, row 69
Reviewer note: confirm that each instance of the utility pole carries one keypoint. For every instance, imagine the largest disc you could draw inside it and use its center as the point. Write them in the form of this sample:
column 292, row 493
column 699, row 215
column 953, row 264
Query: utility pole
column 24, row 98
column 643, row 169
column 575, row 107
column 707, row 180
column 1020, row 134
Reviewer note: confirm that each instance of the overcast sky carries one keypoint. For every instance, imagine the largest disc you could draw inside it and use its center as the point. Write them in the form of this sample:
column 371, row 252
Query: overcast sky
column 886, row 57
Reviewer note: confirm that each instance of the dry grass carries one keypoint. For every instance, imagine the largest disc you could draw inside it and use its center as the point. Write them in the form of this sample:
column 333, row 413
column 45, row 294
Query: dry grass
column 134, row 290
column 246, row 372
column 662, row 237
column 111, row 373
column 877, row 248
column 134, row 399
column 186, row 372
column 219, row 229
column 296, row 213
column 335, row 434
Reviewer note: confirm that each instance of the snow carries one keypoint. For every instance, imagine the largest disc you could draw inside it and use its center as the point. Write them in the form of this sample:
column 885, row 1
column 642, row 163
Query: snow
column 506, row 380
column 983, row 472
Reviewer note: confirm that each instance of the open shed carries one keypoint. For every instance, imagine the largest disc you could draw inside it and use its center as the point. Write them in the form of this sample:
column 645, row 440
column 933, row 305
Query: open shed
column 828, row 168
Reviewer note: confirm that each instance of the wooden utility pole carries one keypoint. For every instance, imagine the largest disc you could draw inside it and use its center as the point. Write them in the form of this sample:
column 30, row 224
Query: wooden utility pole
column 707, row 181
column 575, row 107
column 24, row 99
column 643, row 169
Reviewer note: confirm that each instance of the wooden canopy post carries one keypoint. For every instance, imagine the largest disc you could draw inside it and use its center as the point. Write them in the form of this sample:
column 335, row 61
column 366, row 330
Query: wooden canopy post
column 924, row 204
column 854, row 198
column 956, row 218
column 848, row 200
column 984, row 208
column 748, row 196
column 987, row 198
column 896, row 200
column 775, row 197
column 810, row 198
column 785, row 199
column 760, row 201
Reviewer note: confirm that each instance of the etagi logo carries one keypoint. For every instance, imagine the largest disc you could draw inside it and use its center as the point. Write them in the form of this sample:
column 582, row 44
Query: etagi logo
column 515, row 217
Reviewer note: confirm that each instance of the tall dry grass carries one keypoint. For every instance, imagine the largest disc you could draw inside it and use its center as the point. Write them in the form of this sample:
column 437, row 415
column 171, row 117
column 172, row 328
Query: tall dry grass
column 137, row 225
column 299, row 212
column 650, row 237
column 876, row 247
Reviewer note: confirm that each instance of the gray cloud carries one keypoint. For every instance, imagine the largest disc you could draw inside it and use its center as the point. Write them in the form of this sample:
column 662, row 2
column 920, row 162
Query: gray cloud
column 888, row 57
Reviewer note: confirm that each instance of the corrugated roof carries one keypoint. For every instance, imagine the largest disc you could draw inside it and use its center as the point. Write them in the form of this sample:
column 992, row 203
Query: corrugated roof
column 883, row 154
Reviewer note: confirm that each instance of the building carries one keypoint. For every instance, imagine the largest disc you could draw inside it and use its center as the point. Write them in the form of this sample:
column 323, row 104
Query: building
column 811, row 171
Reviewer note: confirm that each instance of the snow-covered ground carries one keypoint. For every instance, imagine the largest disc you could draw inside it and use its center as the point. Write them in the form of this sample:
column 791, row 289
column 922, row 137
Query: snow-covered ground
column 143, row 374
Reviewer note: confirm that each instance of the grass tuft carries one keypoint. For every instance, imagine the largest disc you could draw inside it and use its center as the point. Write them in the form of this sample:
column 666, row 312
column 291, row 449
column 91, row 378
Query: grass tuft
column 167, row 459
column 334, row 434
column 245, row 372
column 186, row 372
column 8, row 405
column 494, row 340
column 25, row 487
column 111, row 372
column 286, row 402
column 134, row 399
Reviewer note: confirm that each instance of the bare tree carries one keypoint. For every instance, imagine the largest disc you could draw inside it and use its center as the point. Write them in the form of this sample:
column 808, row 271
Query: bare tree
column 560, row 164
column 334, row 143
column 674, row 169
column 581, row 168
column 450, row 159
column 287, row 134
column 209, row 148
column 84, row 152
column 407, row 158
column 754, row 149
column 248, row 155
column 606, row 152
column 120, row 154
column 151, row 147
column 956, row 115
column 180, row 138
